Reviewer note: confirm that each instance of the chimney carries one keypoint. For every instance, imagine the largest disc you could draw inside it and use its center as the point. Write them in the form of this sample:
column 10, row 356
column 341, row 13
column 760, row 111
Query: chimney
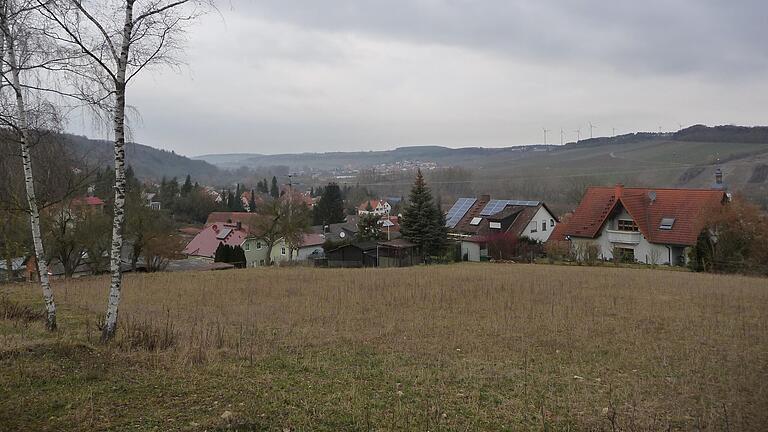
column 619, row 189
column 239, row 225
column 719, row 177
column 326, row 229
column 215, row 228
column 485, row 197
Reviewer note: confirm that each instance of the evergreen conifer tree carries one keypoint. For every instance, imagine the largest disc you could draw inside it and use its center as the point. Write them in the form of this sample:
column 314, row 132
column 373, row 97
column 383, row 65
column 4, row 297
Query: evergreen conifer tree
column 218, row 256
column 330, row 206
column 186, row 189
column 274, row 190
column 238, row 257
column 423, row 223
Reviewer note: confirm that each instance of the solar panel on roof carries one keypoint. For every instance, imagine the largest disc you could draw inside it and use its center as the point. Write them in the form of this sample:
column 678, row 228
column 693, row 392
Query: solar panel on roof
column 459, row 209
column 495, row 206
column 223, row 233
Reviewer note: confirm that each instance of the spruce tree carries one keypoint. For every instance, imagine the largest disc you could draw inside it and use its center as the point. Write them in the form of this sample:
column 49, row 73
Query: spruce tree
column 238, row 257
column 423, row 223
column 219, row 255
column 274, row 190
column 252, row 204
column 330, row 206
column 238, row 205
column 186, row 189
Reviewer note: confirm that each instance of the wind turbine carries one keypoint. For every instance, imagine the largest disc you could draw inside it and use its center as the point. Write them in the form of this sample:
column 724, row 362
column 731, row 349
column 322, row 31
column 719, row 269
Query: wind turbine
column 614, row 131
column 561, row 136
column 591, row 127
column 578, row 135
column 545, row 135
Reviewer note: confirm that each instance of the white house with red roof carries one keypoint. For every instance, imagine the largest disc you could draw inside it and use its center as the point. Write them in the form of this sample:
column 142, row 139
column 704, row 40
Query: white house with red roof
column 652, row 226
column 377, row 207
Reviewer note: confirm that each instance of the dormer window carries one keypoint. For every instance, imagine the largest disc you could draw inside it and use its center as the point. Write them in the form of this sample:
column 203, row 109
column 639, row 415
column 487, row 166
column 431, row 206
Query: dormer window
column 666, row 223
column 626, row 225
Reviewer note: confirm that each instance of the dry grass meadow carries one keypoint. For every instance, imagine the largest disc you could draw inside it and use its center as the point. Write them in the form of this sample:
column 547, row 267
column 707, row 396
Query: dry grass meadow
column 459, row 347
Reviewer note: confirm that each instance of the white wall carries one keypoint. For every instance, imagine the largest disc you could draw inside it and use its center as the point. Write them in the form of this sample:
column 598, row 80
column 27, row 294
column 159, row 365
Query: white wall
column 304, row 252
column 472, row 250
column 541, row 215
column 645, row 252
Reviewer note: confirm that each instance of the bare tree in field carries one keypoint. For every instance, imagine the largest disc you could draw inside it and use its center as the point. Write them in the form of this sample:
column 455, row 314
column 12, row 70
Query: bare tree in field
column 119, row 39
column 18, row 55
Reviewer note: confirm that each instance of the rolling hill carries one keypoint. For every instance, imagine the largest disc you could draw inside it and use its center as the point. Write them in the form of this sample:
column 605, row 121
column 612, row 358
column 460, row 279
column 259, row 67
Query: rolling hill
column 148, row 162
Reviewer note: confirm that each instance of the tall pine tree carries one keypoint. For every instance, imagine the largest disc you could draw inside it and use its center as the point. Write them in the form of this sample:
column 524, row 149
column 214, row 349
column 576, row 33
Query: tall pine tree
column 423, row 222
column 274, row 190
column 252, row 203
column 186, row 189
column 330, row 206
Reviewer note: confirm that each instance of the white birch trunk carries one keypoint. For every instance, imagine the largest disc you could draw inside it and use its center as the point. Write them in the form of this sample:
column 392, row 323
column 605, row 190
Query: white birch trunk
column 110, row 322
column 34, row 214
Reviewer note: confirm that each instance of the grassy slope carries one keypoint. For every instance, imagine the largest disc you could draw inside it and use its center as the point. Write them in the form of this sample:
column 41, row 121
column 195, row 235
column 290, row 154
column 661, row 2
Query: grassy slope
column 462, row 347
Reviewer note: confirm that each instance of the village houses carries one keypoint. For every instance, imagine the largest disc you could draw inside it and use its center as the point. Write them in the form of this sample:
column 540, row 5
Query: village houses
column 377, row 207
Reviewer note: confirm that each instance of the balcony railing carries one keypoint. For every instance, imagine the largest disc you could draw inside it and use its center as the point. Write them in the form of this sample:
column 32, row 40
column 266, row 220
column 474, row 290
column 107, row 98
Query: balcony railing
column 624, row 237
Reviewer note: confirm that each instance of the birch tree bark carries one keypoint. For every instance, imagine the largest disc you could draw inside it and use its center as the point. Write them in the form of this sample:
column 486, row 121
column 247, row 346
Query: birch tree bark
column 23, row 129
column 119, row 42
column 118, row 222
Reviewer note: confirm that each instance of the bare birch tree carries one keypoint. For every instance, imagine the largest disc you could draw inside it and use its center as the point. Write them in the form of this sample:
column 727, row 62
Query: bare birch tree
column 119, row 39
column 13, row 37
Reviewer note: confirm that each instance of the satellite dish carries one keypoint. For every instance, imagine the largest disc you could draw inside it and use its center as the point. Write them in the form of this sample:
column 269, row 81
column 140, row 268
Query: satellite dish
column 342, row 234
column 652, row 196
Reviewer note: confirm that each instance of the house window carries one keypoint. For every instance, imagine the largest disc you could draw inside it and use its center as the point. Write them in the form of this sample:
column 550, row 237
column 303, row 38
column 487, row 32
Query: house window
column 282, row 250
column 258, row 245
column 627, row 225
column 534, row 226
column 666, row 223
column 552, row 223
column 543, row 225
column 247, row 246
column 495, row 225
column 625, row 255
column 475, row 221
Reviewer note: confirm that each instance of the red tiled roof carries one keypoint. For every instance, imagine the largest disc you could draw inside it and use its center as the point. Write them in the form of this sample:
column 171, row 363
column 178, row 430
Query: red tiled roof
column 205, row 243
column 89, row 200
column 558, row 234
column 684, row 205
column 229, row 217
column 374, row 203
column 312, row 240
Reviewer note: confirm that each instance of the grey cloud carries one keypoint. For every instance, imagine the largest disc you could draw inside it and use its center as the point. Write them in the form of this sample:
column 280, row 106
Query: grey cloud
column 707, row 37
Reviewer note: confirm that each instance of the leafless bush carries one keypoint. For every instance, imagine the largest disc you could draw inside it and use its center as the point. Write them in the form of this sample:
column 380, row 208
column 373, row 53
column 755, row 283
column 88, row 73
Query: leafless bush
column 14, row 311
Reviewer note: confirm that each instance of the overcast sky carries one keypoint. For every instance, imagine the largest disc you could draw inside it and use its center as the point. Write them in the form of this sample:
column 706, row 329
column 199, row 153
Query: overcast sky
column 280, row 76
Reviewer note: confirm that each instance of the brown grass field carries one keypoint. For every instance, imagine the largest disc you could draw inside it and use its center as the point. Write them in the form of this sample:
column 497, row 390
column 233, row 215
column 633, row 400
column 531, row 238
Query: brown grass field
column 458, row 347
